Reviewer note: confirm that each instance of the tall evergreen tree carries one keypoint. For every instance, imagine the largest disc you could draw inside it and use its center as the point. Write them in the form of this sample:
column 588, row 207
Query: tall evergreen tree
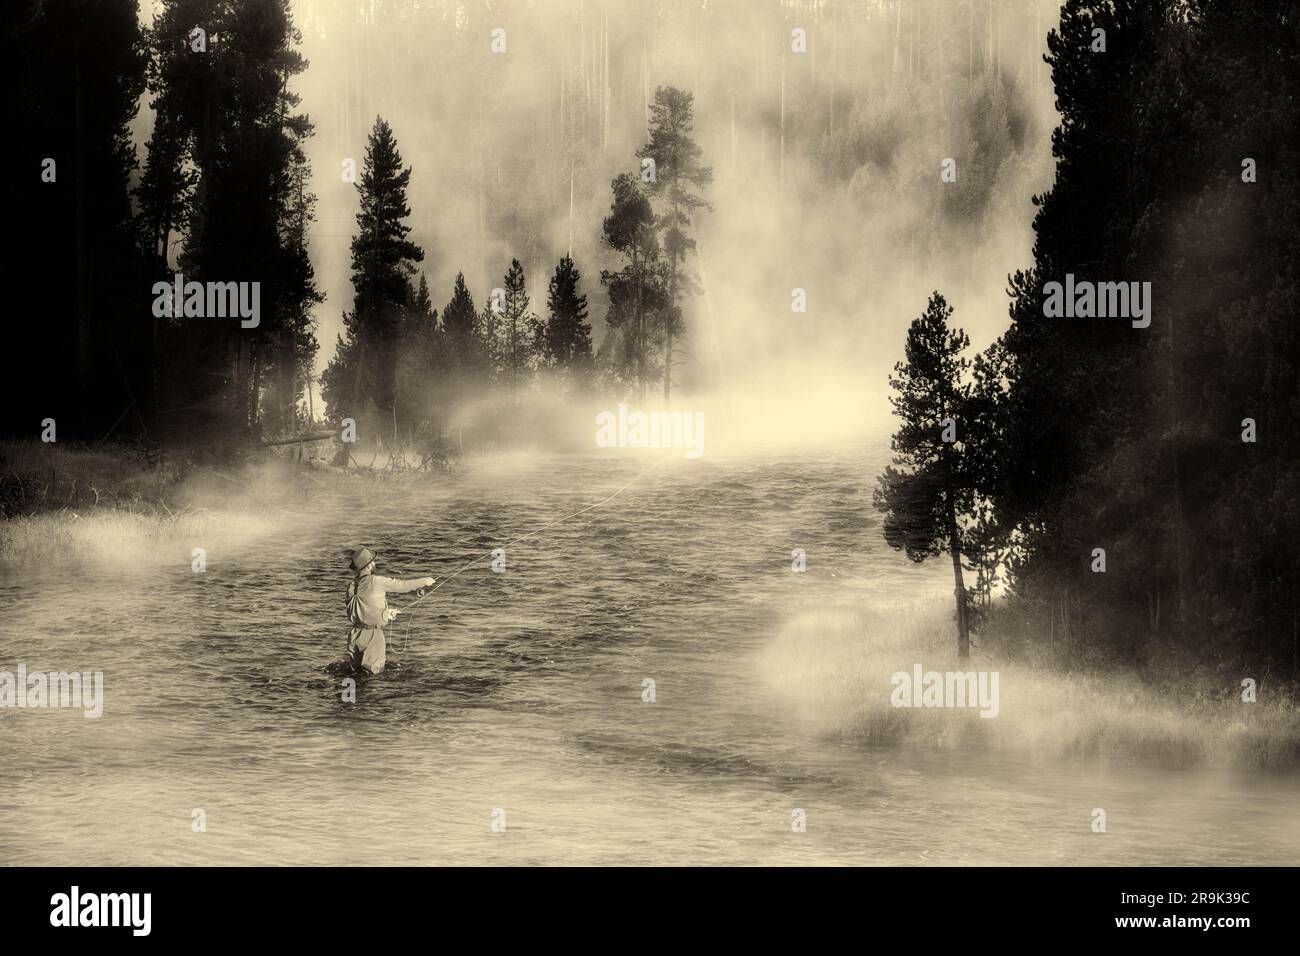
column 1076, row 395
column 924, row 506
column 567, row 335
column 1130, row 440
column 515, row 334
column 421, row 365
column 383, row 263
column 226, row 164
column 679, row 177
column 637, row 291
column 461, row 327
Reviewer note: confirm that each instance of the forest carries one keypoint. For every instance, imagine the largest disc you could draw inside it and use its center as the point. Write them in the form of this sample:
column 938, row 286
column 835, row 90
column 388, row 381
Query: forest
column 1133, row 484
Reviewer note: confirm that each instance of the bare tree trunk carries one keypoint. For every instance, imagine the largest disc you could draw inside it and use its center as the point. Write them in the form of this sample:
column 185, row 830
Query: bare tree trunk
column 781, row 167
column 640, row 336
column 835, row 73
column 911, row 49
column 1175, row 427
column 1065, row 624
column 733, row 130
column 993, row 50
column 668, row 366
column 356, row 379
column 943, row 104
column 246, row 382
column 959, row 587
column 898, row 36
column 605, row 85
column 1038, row 42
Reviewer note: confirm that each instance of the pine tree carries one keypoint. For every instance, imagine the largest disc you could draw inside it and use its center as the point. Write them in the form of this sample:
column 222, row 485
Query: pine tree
column 567, row 335
column 679, row 175
column 924, row 505
column 383, row 263
column 636, row 291
column 226, row 164
column 462, row 330
column 515, row 333
column 1088, row 439
column 421, row 364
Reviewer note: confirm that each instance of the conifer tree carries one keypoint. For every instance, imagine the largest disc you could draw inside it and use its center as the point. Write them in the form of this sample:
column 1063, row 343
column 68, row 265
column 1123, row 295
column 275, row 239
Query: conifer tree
column 567, row 335
column 925, row 504
column 515, row 333
column 637, row 290
column 383, row 263
column 679, row 176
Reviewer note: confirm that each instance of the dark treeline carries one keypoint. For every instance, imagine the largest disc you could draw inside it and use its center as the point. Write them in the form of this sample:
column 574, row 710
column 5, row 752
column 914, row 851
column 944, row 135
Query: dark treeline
column 221, row 196
column 75, row 279
column 219, row 193
column 1140, row 482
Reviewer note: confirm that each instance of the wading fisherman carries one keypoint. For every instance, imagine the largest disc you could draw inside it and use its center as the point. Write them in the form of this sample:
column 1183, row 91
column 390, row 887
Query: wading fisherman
column 368, row 610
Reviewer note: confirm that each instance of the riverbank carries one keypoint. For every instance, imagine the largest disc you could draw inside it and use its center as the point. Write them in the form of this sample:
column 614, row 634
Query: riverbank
column 835, row 668
column 132, row 508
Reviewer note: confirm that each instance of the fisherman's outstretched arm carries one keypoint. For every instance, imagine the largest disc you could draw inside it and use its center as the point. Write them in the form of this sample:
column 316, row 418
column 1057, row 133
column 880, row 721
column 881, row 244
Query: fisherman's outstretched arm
column 400, row 586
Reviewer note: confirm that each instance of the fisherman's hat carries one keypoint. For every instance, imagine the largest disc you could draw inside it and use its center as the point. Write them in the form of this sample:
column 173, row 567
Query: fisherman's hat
column 361, row 557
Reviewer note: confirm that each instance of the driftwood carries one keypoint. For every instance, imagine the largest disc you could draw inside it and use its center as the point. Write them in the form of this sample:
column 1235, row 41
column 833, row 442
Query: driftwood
column 323, row 436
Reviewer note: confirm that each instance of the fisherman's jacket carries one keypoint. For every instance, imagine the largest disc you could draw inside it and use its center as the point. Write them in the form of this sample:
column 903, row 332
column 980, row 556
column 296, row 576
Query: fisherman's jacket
column 367, row 598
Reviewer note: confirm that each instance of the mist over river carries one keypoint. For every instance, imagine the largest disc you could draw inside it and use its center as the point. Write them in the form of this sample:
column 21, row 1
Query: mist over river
column 522, row 691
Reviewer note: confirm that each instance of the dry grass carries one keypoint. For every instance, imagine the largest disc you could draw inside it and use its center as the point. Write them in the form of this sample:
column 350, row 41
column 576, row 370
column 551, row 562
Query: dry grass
column 125, row 540
column 833, row 667
column 117, row 507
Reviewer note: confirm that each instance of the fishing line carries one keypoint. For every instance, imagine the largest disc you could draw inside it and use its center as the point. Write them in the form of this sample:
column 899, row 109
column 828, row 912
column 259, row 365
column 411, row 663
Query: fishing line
column 425, row 592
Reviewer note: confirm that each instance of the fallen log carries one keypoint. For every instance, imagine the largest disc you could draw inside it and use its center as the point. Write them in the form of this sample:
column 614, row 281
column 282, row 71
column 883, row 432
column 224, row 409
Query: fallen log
column 304, row 438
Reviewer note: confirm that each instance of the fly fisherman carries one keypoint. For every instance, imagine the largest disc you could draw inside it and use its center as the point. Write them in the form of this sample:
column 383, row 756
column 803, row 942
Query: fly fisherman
column 368, row 610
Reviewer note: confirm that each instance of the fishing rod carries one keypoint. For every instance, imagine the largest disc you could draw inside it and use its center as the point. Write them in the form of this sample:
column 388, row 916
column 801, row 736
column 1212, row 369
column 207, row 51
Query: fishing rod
column 422, row 593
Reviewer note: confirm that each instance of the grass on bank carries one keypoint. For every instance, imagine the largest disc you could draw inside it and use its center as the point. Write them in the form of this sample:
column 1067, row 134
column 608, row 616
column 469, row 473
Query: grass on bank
column 121, row 506
column 833, row 667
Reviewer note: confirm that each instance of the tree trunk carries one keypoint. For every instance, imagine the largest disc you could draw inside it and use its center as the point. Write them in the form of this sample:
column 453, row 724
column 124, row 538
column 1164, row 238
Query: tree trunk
column 672, row 313
column 959, row 587
column 640, row 338
column 780, row 179
column 249, row 383
column 668, row 367
column 898, row 35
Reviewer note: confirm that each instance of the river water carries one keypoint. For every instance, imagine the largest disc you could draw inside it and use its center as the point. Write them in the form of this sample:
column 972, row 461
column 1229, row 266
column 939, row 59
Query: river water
column 518, row 696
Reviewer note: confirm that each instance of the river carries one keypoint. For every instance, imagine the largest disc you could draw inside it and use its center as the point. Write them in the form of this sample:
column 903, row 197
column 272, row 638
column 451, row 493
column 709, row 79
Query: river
column 517, row 697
